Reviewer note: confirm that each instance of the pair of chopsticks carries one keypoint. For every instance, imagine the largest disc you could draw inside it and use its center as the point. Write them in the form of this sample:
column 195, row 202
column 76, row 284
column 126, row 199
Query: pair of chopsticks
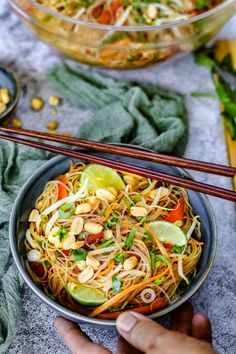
column 130, row 152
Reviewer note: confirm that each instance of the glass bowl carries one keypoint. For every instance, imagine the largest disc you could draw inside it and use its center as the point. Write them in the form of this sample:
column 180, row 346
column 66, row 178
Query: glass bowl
column 121, row 47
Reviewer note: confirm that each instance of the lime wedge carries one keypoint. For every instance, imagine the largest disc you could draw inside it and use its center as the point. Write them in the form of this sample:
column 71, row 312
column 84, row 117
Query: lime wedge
column 85, row 295
column 101, row 177
column 168, row 232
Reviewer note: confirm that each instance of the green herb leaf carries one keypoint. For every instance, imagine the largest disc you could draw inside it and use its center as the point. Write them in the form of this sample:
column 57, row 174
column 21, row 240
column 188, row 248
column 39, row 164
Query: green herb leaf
column 141, row 219
column 120, row 257
column 153, row 259
column 106, row 243
column 111, row 222
column 183, row 286
column 177, row 249
column 62, row 233
column 158, row 263
column 159, row 281
column 66, row 211
column 116, row 284
column 124, row 305
column 79, row 254
column 47, row 264
column 164, row 258
column 149, row 236
column 204, row 94
column 130, row 239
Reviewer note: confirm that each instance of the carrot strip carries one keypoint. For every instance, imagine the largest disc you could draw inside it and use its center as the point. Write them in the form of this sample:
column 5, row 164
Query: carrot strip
column 161, row 248
column 155, row 305
column 126, row 222
column 177, row 213
column 107, row 270
column 198, row 243
column 113, row 301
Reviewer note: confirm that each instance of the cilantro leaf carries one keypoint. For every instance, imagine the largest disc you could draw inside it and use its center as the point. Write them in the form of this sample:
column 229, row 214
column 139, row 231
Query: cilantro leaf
column 116, row 284
column 130, row 239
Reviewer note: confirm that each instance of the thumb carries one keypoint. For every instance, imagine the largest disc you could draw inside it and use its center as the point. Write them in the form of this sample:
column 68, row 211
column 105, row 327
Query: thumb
column 140, row 331
column 150, row 337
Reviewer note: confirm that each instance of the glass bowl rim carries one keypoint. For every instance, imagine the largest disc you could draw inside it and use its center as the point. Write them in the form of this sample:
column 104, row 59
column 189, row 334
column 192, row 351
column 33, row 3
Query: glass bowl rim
column 147, row 28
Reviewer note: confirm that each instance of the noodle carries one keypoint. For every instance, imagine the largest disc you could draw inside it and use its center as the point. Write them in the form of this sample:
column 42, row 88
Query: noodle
column 64, row 255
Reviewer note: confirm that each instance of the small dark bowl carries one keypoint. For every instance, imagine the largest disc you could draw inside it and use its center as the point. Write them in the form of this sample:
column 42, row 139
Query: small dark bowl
column 8, row 80
column 56, row 166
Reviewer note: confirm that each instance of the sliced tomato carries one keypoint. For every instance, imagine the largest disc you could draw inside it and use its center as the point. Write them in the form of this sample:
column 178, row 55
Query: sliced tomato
column 38, row 269
column 62, row 191
column 168, row 245
column 177, row 213
column 66, row 252
column 92, row 238
column 115, row 5
column 105, row 17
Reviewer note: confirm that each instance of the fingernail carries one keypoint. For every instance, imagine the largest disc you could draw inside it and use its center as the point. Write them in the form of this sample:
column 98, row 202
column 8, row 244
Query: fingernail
column 126, row 321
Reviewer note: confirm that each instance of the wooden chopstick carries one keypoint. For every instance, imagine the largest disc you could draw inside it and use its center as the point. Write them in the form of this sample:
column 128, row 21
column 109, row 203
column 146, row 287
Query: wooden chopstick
column 178, row 181
column 218, row 169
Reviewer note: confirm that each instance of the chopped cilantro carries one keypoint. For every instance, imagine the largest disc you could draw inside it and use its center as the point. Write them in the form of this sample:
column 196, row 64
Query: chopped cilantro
column 177, row 249
column 79, row 254
column 163, row 258
column 130, row 239
column 120, row 257
column 159, row 281
column 62, row 233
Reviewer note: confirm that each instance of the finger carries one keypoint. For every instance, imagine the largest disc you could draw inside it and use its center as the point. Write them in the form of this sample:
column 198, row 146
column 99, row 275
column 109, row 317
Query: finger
column 201, row 327
column 181, row 319
column 140, row 331
column 77, row 341
column 123, row 347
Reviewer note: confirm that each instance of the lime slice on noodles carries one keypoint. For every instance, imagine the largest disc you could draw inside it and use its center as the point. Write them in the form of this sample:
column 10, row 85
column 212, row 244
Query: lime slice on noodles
column 101, row 177
column 168, row 232
column 85, row 295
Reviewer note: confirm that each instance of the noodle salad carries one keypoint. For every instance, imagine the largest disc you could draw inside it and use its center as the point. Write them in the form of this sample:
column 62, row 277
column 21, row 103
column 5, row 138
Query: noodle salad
column 129, row 12
column 102, row 241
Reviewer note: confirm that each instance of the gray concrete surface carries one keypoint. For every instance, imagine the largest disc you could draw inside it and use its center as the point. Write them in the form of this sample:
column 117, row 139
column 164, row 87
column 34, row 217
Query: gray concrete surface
column 217, row 297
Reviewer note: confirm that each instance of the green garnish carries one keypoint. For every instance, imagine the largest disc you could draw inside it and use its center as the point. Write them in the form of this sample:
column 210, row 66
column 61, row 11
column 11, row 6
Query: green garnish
column 153, row 259
column 117, row 212
column 149, row 236
column 120, row 257
column 103, row 211
column 202, row 4
column 106, row 243
column 141, row 219
column 47, row 264
column 116, row 284
column 204, row 94
column 177, row 249
column 66, row 211
column 183, row 286
column 163, row 258
column 110, row 222
column 79, row 254
column 159, row 281
column 44, row 218
column 158, row 263
column 130, row 239
column 62, row 233
column 123, row 306
column 225, row 93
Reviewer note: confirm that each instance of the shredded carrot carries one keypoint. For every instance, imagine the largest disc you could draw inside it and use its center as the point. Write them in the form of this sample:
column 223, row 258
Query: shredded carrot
column 161, row 248
column 117, row 298
column 107, row 270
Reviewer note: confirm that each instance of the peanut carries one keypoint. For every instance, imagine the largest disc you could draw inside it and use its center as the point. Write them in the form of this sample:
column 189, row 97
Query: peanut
column 138, row 211
column 105, row 195
column 77, row 225
column 130, row 263
column 93, row 228
column 83, row 208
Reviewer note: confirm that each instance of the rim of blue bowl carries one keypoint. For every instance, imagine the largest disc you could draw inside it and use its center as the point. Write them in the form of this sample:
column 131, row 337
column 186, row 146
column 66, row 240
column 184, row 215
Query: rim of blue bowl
column 77, row 317
column 15, row 99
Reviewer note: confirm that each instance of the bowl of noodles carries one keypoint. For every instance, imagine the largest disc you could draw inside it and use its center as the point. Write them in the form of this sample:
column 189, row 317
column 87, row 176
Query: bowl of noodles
column 124, row 34
column 92, row 242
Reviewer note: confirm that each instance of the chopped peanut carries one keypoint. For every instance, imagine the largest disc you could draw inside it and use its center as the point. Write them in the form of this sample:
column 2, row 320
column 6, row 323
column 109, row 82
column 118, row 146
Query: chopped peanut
column 37, row 103
column 53, row 125
column 54, row 100
column 17, row 123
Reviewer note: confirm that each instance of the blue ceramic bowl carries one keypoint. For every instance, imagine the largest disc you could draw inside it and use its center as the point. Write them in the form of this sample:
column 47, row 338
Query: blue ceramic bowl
column 8, row 80
column 25, row 201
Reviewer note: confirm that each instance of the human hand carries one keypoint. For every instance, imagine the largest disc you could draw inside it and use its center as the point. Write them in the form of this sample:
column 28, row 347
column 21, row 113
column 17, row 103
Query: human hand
column 190, row 334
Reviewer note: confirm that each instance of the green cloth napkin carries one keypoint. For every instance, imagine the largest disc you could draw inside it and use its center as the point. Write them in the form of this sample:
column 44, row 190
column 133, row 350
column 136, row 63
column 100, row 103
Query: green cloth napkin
column 16, row 165
column 126, row 112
